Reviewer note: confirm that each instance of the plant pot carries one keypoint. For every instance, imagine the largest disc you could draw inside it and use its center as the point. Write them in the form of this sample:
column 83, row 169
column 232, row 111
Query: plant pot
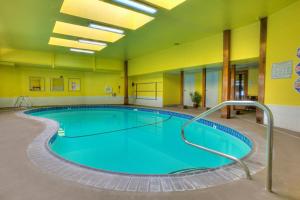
column 196, row 105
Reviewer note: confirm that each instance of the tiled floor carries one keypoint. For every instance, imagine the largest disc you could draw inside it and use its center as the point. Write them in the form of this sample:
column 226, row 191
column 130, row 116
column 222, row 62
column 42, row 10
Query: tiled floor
column 20, row 179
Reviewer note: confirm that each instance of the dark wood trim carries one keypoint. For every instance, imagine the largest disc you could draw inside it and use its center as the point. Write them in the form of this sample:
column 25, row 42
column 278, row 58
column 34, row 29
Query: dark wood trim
column 181, row 87
column 262, row 67
column 225, row 113
column 203, row 103
column 126, row 99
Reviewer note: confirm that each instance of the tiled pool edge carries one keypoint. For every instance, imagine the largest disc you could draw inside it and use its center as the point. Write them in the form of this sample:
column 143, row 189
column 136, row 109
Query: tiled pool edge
column 40, row 156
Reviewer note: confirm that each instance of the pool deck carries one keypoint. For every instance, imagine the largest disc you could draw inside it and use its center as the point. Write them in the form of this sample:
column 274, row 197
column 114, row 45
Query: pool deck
column 21, row 179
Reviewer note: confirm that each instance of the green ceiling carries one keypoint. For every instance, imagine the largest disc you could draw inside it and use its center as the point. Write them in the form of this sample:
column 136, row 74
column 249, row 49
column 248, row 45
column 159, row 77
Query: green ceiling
column 28, row 24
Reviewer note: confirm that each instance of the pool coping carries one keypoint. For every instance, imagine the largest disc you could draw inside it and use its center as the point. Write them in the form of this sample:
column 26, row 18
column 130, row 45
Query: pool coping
column 50, row 163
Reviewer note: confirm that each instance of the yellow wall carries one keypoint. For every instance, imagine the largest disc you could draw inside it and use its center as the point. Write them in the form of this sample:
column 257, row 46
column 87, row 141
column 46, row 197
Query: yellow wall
column 10, row 82
column 253, row 81
column 149, row 78
column 207, row 50
column 65, row 61
column 171, row 89
column 15, row 82
column 245, row 42
column 245, row 45
column 283, row 41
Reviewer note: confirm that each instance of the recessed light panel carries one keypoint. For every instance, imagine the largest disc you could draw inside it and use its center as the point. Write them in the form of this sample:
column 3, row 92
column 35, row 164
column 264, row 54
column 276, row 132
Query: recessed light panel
column 74, row 44
column 137, row 6
column 106, row 28
column 85, row 32
column 82, row 51
column 104, row 12
column 92, row 42
column 167, row 4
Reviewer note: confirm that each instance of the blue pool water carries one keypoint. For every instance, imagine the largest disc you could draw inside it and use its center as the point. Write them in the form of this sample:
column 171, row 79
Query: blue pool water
column 139, row 141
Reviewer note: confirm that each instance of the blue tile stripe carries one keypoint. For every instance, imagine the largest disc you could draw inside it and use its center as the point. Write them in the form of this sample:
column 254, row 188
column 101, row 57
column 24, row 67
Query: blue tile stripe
column 211, row 124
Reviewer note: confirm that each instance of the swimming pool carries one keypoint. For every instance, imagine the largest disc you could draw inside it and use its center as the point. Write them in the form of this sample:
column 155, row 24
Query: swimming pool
column 139, row 141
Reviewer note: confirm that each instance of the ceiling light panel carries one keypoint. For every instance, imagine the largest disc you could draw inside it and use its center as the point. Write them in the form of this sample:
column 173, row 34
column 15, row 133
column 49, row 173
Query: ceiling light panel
column 106, row 28
column 92, row 42
column 167, row 4
column 74, row 44
column 85, row 32
column 82, row 51
column 104, row 12
column 137, row 6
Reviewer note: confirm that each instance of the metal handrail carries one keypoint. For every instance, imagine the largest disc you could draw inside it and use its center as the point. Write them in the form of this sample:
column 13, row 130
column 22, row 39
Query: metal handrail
column 270, row 119
column 17, row 101
column 23, row 99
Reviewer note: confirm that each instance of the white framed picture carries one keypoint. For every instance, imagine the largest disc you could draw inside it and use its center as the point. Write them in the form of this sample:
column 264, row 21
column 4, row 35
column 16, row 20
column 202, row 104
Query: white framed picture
column 74, row 84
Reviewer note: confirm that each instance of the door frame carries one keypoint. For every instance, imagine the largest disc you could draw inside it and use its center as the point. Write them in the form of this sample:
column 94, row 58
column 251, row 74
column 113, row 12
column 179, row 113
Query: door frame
column 184, row 89
column 243, row 72
column 217, row 71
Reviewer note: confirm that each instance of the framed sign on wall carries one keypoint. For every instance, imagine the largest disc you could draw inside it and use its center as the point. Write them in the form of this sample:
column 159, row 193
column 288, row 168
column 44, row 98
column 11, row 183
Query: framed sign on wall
column 36, row 84
column 74, row 84
column 297, row 69
column 297, row 85
column 282, row 70
column 57, row 84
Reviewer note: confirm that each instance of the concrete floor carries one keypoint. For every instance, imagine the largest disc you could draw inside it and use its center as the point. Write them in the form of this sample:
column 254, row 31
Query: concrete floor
column 20, row 179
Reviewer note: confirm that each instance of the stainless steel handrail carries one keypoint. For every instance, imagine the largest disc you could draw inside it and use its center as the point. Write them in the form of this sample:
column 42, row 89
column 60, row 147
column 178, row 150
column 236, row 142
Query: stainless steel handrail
column 270, row 119
column 17, row 101
column 23, row 99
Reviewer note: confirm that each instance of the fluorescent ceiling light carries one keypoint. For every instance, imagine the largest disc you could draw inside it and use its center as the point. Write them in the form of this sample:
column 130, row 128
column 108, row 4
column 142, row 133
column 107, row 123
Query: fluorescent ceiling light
column 137, row 5
column 106, row 28
column 167, row 4
column 74, row 44
column 100, row 11
column 85, row 32
column 82, row 51
column 92, row 42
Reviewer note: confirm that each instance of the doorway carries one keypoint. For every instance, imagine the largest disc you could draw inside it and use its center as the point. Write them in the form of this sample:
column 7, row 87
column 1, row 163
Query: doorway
column 241, row 85
column 212, row 87
column 189, row 87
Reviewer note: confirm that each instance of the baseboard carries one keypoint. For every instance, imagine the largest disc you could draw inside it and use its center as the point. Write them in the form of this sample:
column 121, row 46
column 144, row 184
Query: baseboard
column 69, row 100
column 145, row 101
column 287, row 117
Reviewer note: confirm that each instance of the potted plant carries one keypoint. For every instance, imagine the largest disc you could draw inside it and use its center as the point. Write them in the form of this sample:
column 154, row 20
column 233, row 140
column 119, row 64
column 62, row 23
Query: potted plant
column 196, row 98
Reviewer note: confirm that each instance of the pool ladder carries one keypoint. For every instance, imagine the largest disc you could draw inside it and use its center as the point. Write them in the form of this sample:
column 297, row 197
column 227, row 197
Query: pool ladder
column 23, row 100
column 270, row 120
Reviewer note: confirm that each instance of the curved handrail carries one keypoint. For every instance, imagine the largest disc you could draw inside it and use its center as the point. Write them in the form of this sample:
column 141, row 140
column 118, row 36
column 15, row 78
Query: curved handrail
column 269, row 116
column 23, row 99
column 246, row 169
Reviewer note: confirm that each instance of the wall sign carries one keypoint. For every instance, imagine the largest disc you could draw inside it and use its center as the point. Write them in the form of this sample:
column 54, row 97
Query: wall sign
column 36, row 84
column 74, row 84
column 297, row 85
column 108, row 89
column 297, row 69
column 57, row 84
column 298, row 53
column 282, row 70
